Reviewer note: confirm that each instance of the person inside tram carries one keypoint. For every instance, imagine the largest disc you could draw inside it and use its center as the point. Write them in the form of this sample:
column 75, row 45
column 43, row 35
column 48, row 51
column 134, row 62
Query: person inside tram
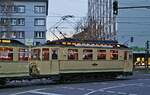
column 54, row 54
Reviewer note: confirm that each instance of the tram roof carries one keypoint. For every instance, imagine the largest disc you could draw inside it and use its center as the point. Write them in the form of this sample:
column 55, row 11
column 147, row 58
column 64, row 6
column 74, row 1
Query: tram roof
column 85, row 43
column 11, row 42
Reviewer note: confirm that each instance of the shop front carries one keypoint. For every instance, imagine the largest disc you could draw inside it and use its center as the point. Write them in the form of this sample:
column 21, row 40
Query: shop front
column 140, row 60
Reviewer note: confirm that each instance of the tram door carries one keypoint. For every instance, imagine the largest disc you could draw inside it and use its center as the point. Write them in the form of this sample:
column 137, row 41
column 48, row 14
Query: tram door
column 54, row 61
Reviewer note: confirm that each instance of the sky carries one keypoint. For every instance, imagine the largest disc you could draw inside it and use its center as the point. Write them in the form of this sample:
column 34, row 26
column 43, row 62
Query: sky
column 134, row 23
column 59, row 8
column 131, row 22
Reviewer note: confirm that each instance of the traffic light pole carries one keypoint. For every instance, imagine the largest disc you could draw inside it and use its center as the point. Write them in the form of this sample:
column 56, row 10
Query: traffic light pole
column 135, row 7
column 146, row 55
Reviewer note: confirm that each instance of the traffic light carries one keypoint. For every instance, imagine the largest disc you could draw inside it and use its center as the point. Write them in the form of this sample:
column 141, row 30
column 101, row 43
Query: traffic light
column 115, row 7
column 147, row 44
column 132, row 39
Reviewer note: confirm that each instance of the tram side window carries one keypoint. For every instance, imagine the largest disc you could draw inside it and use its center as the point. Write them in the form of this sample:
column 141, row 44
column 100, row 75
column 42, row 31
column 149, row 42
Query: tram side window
column 55, row 54
column 87, row 54
column 72, row 54
column 6, row 54
column 45, row 54
column 23, row 54
column 130, row 56
column 101, row 54
column 36, row 54
column 113, row 54
column 125, row 55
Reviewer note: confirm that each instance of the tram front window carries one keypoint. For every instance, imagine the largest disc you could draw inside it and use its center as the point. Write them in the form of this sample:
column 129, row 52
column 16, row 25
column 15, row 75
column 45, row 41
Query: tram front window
column 6, row 54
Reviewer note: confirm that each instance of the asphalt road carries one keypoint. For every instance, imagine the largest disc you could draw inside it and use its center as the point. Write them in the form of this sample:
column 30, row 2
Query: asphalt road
column 139, row 84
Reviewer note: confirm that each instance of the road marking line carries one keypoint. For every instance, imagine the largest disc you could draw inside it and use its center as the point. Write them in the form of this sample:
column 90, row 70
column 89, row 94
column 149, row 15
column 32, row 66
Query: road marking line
column 71, row 88
column 28, row 91
column 110, row 88
column 77, row 88
column 20, row 93
column 90, row 89
column 81, row 88
column 110, row 91
column 44, row 93
column 104, row 83
column 68, row 88
column 133, row 94
column 122, row 93
column 143, row 79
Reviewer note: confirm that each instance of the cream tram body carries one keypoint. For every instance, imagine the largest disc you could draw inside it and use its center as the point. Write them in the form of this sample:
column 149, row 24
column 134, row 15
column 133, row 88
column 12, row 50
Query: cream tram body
column 13, row 60
column 101, row 60
column 18, row 61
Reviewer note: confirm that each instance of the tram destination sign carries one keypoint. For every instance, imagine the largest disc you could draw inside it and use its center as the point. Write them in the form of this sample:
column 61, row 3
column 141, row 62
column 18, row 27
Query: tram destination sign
column 5, row 41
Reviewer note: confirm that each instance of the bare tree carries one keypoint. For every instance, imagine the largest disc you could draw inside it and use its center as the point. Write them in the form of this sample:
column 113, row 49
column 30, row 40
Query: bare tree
column 81, row 29
column 81, row 25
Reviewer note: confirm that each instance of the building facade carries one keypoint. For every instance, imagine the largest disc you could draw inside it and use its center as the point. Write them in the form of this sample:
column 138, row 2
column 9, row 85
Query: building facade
column 101, row 20
column 24, row 20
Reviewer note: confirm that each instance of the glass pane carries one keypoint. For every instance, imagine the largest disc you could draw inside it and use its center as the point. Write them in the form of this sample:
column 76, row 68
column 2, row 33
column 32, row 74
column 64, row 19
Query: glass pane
column 101, row 54
column 6, row 54
column 87, row 54
column 125, row 55
column 72, row 54
column 45, row 54
column 23, row 55
column 54, row 53
column 36, row 54
column 113, row 54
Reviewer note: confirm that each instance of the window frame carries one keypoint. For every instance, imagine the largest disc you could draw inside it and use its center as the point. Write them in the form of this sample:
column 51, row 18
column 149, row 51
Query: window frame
column 17, row 7
column 43, row 54
column 113, row 54
column 9, row 21
column 56, row 55
column 74, row 56
column 39, row 12
column 17, row 34
column 104, row 53
column 87, row 56
column 36, row 22
column 9, row 54
column 13, row 8
column 43, row 33
column 36, row 55
column 25, row 51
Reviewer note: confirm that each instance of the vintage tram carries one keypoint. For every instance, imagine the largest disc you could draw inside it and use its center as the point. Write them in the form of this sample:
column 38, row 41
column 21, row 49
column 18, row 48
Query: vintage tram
column 71, row 58
column 64, row 59
column 13, row 60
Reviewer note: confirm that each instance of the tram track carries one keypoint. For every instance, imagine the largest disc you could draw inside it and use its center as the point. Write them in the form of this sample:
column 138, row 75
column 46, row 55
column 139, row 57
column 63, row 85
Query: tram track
column 44, row 82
